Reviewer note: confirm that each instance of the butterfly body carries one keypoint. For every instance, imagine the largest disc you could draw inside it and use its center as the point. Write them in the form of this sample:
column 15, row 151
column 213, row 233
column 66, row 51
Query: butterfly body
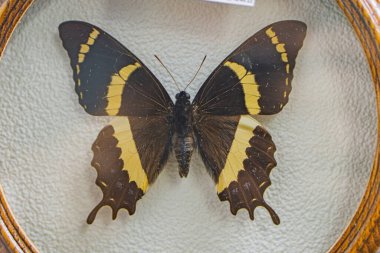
column 130, row 152
column 183, row 138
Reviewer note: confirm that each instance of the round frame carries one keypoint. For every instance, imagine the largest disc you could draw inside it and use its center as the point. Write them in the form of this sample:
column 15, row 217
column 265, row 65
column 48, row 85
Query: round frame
column 363, row 232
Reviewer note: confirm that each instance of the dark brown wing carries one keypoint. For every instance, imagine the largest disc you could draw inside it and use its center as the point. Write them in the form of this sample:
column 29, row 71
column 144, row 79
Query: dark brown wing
column 109, row 79
column 128, row 156
column 239, row 155
column 256, row 77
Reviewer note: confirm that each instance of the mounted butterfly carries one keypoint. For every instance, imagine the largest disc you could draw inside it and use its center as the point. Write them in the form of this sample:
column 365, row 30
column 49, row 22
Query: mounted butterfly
column 133, row 149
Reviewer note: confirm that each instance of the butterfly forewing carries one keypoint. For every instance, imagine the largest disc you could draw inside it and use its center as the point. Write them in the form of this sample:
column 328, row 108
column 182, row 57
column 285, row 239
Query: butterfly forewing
column 255, row 79
column 109, row 79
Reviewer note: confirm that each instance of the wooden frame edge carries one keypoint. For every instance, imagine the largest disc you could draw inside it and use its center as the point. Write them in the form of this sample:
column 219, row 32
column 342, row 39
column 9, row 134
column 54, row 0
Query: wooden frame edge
column 363, row 232
column 13, row 237
column 11, row 12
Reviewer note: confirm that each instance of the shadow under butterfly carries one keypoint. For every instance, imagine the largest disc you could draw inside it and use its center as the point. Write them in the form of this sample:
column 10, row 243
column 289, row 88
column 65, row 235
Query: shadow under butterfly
column 133, row 149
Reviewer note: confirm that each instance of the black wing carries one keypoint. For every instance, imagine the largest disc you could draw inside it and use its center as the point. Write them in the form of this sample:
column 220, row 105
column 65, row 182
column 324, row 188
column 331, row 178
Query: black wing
column 239, row 155
column 109, row 79
column 256, row 77
column 129, row 154
column 131, row 151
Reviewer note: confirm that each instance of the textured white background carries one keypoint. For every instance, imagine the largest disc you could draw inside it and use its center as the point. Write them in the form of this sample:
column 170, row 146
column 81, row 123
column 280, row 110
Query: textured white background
column 325, row 136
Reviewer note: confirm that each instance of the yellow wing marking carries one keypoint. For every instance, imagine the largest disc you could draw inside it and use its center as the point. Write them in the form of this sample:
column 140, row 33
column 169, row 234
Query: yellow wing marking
column 94, row 34
column 250, row 86
column 128, row 70
column 90, row 41
column 270, row 32
column 81, row 58
column 85, row 48
column 237, row 155
column 280, row 47
column 116, row 87
column 129, row 153
column 262, row 184
column 275, row 40
column 115, row 90
column 284, row 57
column 117, row 80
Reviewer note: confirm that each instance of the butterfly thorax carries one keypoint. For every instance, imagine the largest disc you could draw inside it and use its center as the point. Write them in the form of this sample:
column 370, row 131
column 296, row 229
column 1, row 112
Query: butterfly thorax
column 183, row 139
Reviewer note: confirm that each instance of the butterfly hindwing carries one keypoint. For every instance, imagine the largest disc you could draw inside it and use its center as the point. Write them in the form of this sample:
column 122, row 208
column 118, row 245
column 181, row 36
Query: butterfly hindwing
column 240, row 162
column 129, row 154
column 256, row 77
column 109, row 79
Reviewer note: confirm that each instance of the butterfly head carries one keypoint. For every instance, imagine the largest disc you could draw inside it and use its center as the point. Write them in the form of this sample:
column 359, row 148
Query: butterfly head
column 182, row 99
column 183, row 95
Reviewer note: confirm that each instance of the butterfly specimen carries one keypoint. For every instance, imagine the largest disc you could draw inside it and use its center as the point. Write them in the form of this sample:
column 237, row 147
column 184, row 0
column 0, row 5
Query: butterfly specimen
column 133, row 149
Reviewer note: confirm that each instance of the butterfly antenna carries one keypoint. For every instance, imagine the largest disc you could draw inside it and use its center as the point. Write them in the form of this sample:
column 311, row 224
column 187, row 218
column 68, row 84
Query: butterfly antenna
column 168, row 72
column 200, row 66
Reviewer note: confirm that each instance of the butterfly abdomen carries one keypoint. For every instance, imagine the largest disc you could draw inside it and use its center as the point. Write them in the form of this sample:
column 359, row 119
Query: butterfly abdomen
column 183, row 140
column 183, row 150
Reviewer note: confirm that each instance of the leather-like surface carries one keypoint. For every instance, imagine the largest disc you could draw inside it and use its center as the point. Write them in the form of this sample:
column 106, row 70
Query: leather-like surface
column 325, row 136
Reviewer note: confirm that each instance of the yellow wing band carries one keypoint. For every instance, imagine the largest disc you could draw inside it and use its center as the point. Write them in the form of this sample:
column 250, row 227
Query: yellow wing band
column 116, row 87
column 280, row 48
column 249, row 84
column 83, row 50
column 237, row 154
column 129, row 153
